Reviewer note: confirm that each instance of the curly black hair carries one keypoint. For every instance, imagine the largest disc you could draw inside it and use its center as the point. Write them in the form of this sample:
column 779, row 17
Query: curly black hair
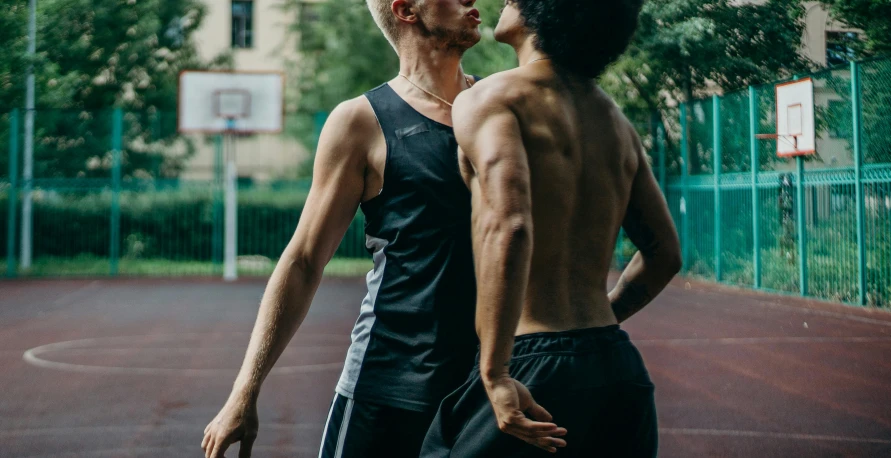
column 582, row 36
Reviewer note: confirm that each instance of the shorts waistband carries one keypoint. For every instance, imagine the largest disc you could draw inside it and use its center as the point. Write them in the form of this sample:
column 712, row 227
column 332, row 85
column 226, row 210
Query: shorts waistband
column 572, row 341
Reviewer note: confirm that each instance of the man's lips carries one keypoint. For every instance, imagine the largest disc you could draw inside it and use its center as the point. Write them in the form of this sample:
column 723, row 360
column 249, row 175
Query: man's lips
column 474, row 15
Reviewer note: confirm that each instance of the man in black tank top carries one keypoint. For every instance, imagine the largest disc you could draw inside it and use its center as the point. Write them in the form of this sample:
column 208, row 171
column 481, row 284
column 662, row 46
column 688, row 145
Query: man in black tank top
column 392, row 153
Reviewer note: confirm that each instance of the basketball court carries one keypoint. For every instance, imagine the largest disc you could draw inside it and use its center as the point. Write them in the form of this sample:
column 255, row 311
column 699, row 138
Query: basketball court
column 136, row 368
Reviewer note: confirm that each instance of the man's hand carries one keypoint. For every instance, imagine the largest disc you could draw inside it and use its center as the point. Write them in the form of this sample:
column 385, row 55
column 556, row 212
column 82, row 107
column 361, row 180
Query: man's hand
column 512, row 402
column 237, row 422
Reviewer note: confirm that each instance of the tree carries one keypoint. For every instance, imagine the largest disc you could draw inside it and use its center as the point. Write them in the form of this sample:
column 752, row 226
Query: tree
column 95, row 55
column 873, row 17
column 685, row 49
column 343, row 54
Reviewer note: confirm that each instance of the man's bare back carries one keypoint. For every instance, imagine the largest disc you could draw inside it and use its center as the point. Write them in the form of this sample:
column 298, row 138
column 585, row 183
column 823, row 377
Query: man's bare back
column 583, row 155
column 555, row 171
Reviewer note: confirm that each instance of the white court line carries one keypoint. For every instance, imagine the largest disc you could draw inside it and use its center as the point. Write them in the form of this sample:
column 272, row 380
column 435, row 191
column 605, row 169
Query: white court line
column 171, row 451
column 143, row 428
column 774, row 435
column 76, row 293
column 187, row 350
column 758, row 340
column 32, row 356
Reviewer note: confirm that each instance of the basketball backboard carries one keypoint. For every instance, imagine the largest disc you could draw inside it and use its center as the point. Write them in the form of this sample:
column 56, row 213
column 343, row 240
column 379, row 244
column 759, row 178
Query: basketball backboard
column 239, row 102
column 796, row 133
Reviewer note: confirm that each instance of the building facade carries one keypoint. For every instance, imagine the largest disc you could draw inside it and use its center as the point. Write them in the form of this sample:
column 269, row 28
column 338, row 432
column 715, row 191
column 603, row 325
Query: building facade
column 257, row 34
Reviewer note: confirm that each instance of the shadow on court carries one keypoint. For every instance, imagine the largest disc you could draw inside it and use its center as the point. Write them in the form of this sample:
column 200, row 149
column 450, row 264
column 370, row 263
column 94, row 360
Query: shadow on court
column 136, row 368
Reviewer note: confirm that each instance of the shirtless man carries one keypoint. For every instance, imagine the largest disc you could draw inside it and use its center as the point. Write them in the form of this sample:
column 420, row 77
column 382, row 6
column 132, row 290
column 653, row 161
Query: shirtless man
column 555, row 170
column 392, row 153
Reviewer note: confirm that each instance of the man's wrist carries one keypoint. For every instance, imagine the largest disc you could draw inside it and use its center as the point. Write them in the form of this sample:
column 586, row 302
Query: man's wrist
column 493, row 373
column 245, row 392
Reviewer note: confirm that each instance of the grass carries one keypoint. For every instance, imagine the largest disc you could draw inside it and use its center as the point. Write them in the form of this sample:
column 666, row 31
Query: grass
column 90, row 266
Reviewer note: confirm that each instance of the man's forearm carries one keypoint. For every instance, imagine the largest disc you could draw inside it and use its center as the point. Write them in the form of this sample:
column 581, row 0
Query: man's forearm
column 285, row 304
column 502, row 278
column 641, row 281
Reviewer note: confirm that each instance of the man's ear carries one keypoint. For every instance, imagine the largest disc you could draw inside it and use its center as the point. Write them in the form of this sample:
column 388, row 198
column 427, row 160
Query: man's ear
column 404, row 11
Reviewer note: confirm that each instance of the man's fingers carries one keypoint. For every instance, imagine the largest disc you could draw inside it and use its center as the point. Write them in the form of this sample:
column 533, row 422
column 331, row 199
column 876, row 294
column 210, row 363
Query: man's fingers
column 549, row 444
column 208, row 448
column 531, row 427
column 537, row 412
column 219, row 449
column 205, row 440
column 246, row 445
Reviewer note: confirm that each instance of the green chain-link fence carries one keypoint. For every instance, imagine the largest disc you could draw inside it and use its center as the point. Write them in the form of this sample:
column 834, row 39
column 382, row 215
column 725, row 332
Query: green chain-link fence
column 817, row 226
column 111, row 195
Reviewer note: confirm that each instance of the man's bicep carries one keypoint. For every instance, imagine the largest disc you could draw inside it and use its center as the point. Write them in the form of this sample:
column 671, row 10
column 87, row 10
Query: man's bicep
column 495, row 150
column 337, row 188
column 648, row 222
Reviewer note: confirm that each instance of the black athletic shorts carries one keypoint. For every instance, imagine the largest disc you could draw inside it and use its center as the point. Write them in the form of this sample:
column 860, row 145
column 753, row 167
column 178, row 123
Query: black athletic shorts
column 358, row 429
column 593, row 382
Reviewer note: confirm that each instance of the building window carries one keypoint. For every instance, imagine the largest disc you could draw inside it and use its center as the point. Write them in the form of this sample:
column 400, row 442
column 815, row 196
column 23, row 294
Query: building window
column 839, row 119
column 242, row 23
column 841, row 47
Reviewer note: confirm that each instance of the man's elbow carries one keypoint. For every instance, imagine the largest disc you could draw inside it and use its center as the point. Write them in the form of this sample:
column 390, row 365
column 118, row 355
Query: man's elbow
column 304, row 264
column 671, row 260
column 512, row 232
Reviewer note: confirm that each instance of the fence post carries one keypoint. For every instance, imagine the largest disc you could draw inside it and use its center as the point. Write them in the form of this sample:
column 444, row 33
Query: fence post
column 716, row 138
column 856, row 110
column 802, row 227
column 217, row 242
column 756, row 215
column 685, row 221
column 13, row 198
column 660, row 142
column 117, row 131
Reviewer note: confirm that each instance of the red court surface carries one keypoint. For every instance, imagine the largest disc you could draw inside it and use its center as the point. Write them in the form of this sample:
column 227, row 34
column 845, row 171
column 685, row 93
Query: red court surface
column 136, row 368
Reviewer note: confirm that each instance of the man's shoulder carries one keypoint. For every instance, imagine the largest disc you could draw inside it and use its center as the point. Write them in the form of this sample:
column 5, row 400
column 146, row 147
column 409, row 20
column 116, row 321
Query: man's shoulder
column 354, row 117
column 499, row 91
column 355, row 112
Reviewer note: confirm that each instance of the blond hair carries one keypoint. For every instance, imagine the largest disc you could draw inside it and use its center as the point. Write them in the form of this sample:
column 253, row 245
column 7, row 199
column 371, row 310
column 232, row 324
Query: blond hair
column 385, row 20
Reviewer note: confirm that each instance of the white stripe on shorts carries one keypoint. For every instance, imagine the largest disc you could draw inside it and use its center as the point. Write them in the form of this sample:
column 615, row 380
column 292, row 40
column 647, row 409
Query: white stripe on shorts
column 344, row 425
column 327, row 422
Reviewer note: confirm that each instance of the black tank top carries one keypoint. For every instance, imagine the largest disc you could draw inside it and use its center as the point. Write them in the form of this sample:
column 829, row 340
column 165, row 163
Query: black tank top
column 415, row 340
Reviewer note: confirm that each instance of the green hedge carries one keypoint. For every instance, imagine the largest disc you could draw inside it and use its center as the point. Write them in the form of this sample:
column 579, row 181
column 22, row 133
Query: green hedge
column 184, row 224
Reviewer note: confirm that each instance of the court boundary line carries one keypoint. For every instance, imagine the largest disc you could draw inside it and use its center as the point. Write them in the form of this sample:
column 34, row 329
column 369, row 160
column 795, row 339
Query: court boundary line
column 59, row 430
column 756, row 341
column 770, row 434
column 32, row 357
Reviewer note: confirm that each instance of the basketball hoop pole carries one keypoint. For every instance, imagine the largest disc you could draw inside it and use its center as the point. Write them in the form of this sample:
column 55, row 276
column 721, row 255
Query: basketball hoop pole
column 230, row 267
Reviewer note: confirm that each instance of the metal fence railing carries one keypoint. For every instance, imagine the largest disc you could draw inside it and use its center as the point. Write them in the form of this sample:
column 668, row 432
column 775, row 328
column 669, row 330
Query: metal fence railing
column 111, row 195
column 818, row 227
column 119, row 193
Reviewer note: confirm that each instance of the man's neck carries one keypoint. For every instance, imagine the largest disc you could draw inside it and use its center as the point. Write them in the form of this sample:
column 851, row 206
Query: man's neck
column 436, row 70
column 527, row 52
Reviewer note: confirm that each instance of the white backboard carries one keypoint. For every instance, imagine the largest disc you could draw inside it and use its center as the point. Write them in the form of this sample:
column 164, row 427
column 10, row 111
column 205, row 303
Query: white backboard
column 796, row 133
column 209, row 99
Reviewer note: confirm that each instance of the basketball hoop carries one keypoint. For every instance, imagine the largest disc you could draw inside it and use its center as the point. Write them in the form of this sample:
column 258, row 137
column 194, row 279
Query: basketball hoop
column 783, row 138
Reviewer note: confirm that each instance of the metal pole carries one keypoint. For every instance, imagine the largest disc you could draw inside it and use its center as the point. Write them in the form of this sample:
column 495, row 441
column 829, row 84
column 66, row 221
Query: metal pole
column 756, row 214
column 802, row 228
column 117, row 131
column 685, row 221
column 716, row 148
column 217, row 242
column 13, row 183
column 660, row 141
column 230, row 268
column 28, row 172
column 858, row 177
